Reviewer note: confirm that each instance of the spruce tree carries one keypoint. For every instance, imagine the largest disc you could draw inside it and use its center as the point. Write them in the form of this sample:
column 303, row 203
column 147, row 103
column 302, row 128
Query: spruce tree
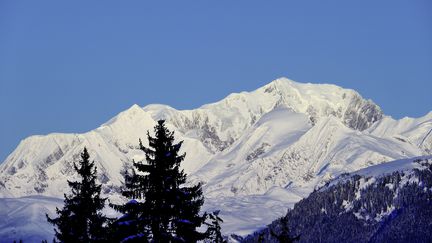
column 214, row 233
column 80, row 220
column 168, row 210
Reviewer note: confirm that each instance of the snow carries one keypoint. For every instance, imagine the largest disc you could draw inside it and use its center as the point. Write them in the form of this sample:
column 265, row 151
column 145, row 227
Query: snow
column 364, row 183
column 384, row 213
column 257, row 153
column 133, row 237
column 184, row 221
column 24, row 218
column 133, row 201
column 348, row 206
column 243, row 215
column 410, row 130
column 390, row 167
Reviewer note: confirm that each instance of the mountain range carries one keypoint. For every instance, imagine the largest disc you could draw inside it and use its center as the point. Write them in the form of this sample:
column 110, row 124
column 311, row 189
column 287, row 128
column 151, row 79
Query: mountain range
column 256, row 153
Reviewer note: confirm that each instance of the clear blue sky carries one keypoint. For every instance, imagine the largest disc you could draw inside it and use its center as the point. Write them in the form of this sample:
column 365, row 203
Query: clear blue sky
column 68, row 66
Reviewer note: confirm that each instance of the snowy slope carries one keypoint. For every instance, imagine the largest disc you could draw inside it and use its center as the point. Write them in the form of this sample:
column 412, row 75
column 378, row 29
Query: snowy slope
column 276, row 143
column 407, row 166
column 324, row 151
column 409, row 130
column 24, row 218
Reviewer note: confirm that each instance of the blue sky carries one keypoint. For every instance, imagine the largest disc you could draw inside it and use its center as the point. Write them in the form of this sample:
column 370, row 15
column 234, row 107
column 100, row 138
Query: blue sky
column 68, row 66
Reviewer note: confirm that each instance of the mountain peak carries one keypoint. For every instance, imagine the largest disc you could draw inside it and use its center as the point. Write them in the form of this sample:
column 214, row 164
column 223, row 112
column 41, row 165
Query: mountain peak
column 277, row 84
column 132, row 112
column 282, row 81
column 133, row 109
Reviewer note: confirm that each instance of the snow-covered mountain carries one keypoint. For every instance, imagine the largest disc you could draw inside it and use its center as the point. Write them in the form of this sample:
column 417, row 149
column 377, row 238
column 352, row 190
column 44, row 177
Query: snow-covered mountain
column 278, row 142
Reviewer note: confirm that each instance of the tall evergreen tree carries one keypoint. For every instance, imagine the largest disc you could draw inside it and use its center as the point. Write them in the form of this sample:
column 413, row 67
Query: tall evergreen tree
column 80, row 220
column 169, row 210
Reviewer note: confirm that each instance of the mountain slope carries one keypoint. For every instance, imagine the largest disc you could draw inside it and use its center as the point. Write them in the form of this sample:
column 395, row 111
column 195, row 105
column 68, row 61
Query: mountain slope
column 390, row 202
column 24, row 218
column 409, row 130
column 321, row 153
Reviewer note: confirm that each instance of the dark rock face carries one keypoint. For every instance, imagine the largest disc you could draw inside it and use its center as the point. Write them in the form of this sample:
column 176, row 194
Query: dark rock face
column 391, row 208
column 259, row 151
column 361, row 114
column 207, row 133
column 55, row 156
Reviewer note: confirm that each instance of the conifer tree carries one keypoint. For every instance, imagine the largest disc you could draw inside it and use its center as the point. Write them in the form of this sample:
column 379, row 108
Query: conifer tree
column 80, row 220
column 214, row 233
column 168, row 210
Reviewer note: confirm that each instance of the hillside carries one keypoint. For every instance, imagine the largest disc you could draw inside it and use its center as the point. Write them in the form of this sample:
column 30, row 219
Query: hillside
column 390, row 202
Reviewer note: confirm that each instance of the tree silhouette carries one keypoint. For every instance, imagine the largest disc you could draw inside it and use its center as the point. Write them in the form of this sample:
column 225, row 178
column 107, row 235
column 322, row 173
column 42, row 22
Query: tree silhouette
column 165, row 210
column 214, row 229
column 80, row 220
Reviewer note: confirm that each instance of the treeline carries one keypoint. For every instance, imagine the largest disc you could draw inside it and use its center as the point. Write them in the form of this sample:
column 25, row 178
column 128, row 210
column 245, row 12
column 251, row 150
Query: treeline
column 161, row 208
